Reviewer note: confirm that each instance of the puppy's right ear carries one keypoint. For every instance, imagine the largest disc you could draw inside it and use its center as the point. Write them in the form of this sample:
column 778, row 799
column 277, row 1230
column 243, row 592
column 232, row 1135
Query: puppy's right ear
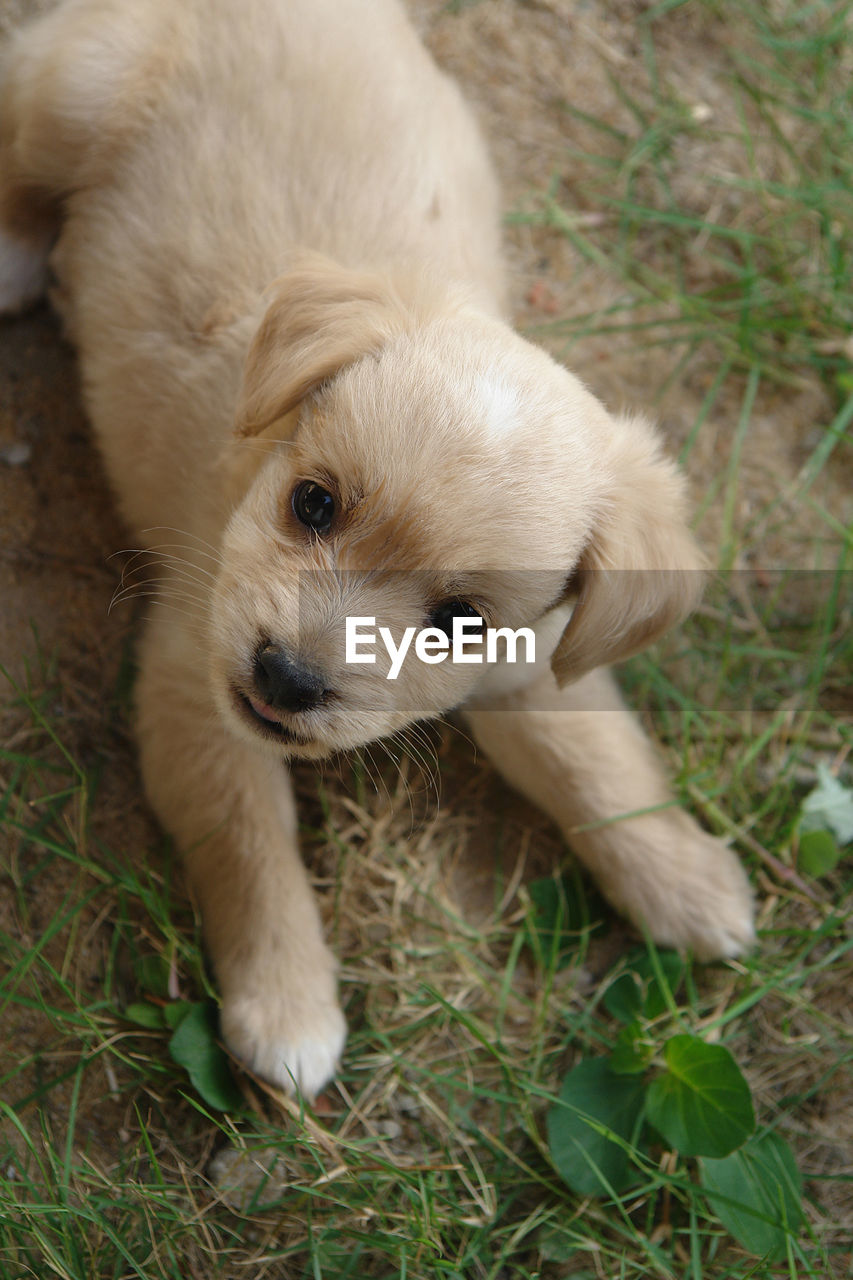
column 321, row 318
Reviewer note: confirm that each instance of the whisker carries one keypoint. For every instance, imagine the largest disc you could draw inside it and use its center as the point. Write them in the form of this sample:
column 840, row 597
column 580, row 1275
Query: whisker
column 164, row 552
column 160, row 593
column 419, row 746
column 456, row 728
column 165, row 604
column 175, row 574
column 374, row 774
column 427, row 757
column 213, row 552
column 177, row 569
column 150, row 587
column 172, row 578
column 402, row 779
column 191, row 605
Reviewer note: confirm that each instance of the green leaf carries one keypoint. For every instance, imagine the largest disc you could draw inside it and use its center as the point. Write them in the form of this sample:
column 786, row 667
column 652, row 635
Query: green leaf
column 818, row 853
column 829, row 807
column 560, row 912
column 755, row 1192
column 145, row 1015
column 592, row 1126
column 193, row 1045
column 175, row 1011
column 637, row 992
column 152, row 975
column 631, row 1052
column 701, row 1104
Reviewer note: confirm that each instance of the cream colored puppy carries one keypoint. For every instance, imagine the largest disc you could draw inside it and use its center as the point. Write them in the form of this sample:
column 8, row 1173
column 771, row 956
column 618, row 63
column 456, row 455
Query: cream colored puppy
column 273, row 229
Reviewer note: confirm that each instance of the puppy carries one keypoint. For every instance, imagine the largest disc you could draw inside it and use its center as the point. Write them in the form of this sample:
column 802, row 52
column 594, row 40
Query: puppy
column 273, row 231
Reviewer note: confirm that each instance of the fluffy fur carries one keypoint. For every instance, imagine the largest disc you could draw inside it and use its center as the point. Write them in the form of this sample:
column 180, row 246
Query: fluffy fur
column 274, row 232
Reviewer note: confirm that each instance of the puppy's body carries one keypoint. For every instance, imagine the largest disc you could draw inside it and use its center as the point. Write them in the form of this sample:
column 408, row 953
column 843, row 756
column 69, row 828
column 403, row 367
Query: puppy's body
column 197, row 148
column 283, row 218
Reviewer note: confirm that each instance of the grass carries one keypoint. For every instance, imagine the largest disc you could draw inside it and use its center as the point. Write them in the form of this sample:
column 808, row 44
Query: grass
column 766, row 280
column 429, row 1158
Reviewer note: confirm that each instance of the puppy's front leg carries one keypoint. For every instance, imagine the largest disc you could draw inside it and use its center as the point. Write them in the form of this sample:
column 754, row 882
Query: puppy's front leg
column 232, row 814
column 581, row 756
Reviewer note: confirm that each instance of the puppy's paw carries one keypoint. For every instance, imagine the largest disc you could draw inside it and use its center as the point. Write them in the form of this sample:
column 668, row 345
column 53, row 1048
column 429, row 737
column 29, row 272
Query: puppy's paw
column 703, row 902
column 294, row 1039
column 23, row 273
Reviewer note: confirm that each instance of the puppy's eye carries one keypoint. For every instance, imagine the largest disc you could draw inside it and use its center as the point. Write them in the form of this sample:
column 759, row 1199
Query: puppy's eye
column 314, row 506
column 442, row 617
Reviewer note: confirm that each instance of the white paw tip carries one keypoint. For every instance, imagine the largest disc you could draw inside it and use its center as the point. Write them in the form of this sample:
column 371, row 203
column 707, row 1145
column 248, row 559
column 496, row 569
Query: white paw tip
column 728, row 941
column 297, row 1058
column 721, row 926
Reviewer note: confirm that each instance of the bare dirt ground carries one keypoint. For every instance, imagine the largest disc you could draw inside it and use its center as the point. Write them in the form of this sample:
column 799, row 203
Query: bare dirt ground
column 519, row 63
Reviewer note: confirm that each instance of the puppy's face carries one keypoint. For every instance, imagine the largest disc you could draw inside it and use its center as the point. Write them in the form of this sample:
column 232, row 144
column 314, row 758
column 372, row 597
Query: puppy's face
column 422, row 484
column 450, row 471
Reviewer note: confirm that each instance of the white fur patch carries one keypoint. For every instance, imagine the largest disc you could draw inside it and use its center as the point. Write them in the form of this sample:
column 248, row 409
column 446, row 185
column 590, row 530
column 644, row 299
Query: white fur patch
column 499, row 405
column 23, row 273
column 284, row 1044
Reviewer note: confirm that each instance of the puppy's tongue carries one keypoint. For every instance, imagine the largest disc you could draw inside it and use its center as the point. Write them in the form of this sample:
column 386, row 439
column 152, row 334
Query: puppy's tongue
column 264, row 710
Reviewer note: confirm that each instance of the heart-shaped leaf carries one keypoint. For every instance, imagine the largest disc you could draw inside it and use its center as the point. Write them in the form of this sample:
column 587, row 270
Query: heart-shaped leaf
column 638, row 991
column 818, row 853
column 593, row 1125
column 755, row 1192
column 145, row 1015
column 194, row 1046
column 632, row 1052
column 701, row 1104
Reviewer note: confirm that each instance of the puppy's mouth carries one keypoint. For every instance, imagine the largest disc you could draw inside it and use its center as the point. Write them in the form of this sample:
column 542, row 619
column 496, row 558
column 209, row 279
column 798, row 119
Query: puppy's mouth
column 265, row 720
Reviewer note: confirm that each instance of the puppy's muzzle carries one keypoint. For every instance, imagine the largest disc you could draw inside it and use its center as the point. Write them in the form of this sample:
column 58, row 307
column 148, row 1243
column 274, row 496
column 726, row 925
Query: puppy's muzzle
column 284, row 684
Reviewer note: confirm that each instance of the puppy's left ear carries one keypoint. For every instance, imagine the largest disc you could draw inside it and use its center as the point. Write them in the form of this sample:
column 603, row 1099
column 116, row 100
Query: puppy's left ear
column 321, row 317
column 641, row 571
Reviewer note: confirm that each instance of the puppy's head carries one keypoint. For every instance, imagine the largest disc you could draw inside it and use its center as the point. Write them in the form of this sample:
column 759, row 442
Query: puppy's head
column 412, row 460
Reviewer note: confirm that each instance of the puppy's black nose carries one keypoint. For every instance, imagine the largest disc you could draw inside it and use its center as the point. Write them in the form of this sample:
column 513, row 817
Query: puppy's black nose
column 284, row 684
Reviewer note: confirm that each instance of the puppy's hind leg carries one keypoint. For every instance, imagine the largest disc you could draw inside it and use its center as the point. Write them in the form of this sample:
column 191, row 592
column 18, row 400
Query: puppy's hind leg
column 61, row 117
column 581, row 756
column 33, row 164
column 28, row 219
